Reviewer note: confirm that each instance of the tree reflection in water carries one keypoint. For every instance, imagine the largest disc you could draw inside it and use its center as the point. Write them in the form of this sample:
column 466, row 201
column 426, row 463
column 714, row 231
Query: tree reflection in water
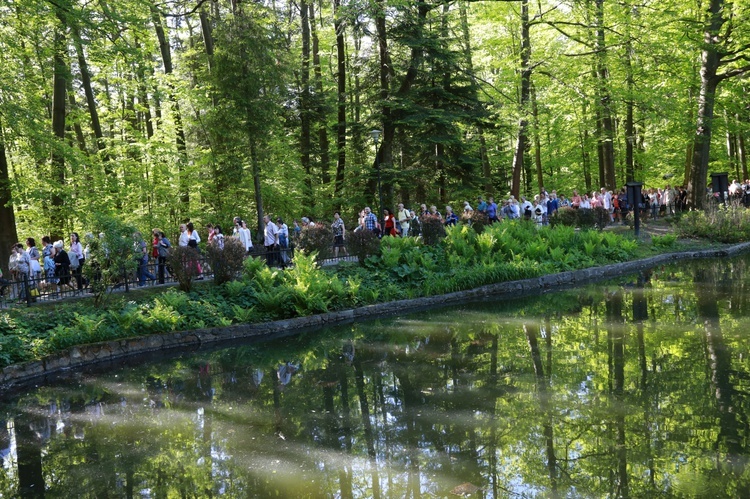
column 634, row 388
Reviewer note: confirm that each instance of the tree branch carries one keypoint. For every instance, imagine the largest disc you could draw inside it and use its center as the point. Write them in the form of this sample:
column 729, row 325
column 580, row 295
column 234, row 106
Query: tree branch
column 734, row 72
column 735, row 52
column 183, row 14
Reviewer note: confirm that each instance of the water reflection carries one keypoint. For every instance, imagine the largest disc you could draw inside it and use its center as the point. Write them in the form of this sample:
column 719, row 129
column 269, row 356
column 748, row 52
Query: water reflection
column 635, row 388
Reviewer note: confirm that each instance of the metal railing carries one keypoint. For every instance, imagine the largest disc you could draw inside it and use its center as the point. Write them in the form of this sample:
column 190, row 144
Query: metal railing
column 27, row 290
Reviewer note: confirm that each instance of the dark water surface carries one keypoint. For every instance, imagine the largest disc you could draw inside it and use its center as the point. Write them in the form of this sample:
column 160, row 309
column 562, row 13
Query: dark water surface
column 635, row 388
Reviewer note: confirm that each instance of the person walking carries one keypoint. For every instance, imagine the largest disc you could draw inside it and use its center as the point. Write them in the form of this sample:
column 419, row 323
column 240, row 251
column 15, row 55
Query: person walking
column 338, row 234
column 163, row 245
column 270, row 240
column 402, row 215
column 77, row 259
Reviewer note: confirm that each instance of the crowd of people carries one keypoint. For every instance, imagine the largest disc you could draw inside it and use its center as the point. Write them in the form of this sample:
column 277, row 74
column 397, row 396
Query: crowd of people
column 49, row 269
column 54, row 268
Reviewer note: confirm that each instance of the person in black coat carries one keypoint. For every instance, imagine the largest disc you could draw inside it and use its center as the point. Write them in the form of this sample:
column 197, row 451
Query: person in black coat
column 62, row 266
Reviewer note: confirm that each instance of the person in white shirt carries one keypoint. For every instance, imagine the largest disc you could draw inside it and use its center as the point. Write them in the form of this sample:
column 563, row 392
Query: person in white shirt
column 526, row 209
column 402, row 215
column 271, row 240
column 183, row 241
column 193, row 240
column 242, row 233
column 607, row 203
column 193, row 237
column 585, row 203
column 248, row 236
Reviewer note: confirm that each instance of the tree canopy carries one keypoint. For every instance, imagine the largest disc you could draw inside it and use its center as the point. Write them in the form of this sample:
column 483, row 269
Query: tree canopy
column 164, row 111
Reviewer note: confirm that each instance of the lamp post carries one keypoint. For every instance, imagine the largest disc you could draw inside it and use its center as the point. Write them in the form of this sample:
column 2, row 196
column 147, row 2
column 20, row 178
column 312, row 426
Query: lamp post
column 634, row 198
column 375, row 134
column 720, row 186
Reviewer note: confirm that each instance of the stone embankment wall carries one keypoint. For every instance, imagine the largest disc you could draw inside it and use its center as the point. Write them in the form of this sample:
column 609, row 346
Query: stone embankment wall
column 83, row 356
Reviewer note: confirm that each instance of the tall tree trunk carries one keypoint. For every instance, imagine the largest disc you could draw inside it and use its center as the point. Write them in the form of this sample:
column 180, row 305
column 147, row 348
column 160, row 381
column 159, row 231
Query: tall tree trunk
column 59, row 96
column 88, row 90
column 77, row 129
column 585, row 155
column 256, row 185
column 742, row 154
column 469, row 56
column 607, row 135
column 321, row 116
column 522, row 136
column 208, row 39
column 166, row 54
column 537, row 142
column 8, row 232
column 385, row 68
column 305, row 108
column 731, row 138
column 385, row 154
column 341, row 103
column 706, row 98
column 629, row 106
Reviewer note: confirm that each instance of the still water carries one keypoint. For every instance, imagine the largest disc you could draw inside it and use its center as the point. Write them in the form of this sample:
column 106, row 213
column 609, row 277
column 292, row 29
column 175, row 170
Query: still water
column 636, row 388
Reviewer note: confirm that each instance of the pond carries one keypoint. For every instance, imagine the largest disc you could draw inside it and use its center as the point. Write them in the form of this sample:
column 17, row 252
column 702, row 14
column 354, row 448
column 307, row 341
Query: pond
column 638, row 387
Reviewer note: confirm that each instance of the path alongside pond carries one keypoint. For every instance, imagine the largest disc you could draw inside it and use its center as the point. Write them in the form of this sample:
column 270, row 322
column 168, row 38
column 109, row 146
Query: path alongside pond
column 109, row 351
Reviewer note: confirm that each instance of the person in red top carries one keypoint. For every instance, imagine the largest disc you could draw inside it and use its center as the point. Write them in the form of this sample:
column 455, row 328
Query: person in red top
column 155, row 244
column 389, row 223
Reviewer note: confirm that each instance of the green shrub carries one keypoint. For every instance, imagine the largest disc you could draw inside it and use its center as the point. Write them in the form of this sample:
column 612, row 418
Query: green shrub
column 664, row 242
column 565, row 216
column 477, row 220
column 227, row 262
column 111, row 255
column 718, row 223
column 183, row 262
column 583, row 218
column 586, row 218
column 433, row 230
column 601, row 217
column 362, row 243
column 317, row 239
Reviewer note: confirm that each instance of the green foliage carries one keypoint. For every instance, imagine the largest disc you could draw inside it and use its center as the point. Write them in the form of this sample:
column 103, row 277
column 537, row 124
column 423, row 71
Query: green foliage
column 565, row 216
column 667, row 241
column 226, row 262
column 184, row 262
column 433, row 230
column 717, row 223
column 111, row 255
column 312, row 291
column 601, row 217
column 252, row 266
column 244, row 315
column 362, row 243
column 583, row 218
column 317, row 239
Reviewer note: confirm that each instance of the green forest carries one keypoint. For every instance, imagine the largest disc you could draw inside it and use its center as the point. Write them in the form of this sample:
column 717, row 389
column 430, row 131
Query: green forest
column 162, row 111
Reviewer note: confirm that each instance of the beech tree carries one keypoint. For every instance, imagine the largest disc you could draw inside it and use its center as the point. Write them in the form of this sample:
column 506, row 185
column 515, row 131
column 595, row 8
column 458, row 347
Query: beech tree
column 722, row 57
column 171, row 111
